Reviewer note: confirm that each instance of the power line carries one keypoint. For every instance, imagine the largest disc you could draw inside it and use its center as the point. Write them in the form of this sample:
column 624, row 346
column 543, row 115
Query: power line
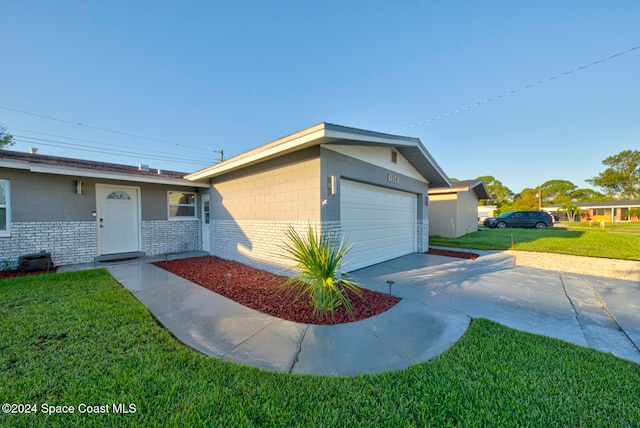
column 64, row 144
column 117, row 154
column 100, row 129
column 82, row 140
column 522, row 88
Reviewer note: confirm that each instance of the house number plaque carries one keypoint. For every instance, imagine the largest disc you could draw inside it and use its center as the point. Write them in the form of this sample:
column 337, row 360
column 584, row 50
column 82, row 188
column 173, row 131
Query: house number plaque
column 393, row 179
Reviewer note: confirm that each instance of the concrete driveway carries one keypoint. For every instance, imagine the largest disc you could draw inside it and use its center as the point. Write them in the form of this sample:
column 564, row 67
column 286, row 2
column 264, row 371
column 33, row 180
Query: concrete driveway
column 596, row 312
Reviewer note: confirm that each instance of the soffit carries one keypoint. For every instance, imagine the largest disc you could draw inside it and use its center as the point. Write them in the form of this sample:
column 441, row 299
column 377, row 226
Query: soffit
column 326, row 133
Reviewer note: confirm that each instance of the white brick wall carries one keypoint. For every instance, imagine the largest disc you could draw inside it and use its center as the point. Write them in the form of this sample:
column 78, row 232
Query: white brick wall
column 423, row 235
column 71, row 242
column 256, row 242
column 67, row 241
column 165, row 236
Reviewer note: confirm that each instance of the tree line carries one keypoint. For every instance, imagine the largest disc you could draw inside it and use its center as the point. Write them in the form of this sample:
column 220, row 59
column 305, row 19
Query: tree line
column 619, row 181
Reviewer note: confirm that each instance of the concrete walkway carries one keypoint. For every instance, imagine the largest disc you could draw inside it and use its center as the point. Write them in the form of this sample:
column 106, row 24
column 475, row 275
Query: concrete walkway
column 440, row 296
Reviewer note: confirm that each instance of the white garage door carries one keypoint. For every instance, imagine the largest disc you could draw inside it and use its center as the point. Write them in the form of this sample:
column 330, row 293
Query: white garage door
column 379, row 222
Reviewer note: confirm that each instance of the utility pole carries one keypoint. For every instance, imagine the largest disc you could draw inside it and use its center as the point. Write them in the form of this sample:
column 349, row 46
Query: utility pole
column 539, row 195
column 221, row 152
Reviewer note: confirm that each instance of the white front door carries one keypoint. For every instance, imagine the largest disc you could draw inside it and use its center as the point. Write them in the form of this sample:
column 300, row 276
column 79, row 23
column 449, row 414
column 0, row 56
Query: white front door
column 206, row 220
column 118, row 219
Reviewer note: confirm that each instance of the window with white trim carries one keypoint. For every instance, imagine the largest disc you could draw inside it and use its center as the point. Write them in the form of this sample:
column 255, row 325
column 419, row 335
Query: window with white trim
column 182, row 205
column 5, row 208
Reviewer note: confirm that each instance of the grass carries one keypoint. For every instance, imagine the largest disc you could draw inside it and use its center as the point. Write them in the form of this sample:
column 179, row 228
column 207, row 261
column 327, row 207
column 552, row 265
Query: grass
column 67, row 339
column 633, row 226
column 579, row 241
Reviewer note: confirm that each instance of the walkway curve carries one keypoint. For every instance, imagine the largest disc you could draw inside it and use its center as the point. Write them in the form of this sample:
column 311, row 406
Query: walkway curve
column 411, row 332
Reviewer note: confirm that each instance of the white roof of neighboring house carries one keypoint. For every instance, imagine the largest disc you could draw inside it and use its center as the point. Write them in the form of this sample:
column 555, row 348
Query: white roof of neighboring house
column 476, row 186
column 327, row 133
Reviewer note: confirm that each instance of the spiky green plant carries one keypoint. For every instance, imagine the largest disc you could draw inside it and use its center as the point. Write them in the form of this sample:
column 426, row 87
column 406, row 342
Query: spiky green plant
column 319, row 259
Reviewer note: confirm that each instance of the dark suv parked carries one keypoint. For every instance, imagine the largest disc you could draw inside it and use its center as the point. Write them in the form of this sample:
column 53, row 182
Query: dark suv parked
column 537, row 219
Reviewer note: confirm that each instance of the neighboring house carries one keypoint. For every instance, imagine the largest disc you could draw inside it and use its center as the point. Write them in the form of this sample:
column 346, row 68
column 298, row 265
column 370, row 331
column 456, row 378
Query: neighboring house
column 368, row 186
column 453, row 211
column 486, row 211
column 598, row 211
column 81, row 210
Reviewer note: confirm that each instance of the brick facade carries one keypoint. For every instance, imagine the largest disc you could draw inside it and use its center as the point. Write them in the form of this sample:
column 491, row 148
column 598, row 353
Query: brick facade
column 258, row 243
column 166, row 236
column 423, row 235
column 71, row 242
column 68, row 242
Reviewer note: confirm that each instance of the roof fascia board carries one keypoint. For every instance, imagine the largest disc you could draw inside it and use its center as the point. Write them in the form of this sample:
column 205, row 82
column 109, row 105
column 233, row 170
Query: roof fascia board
column 14, row 164
column 447, row 190
column 52, row 169
column 433, row 163
column 284, row 145
column 318, row 134
column 397, row 141
column 477, row 187
column 367, row 135
column 371, row 138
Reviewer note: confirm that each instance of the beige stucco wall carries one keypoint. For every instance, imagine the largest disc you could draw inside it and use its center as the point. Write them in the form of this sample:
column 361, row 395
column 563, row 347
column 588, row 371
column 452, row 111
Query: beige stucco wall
column 453, row 214
column 467, row 213
column 442, row 215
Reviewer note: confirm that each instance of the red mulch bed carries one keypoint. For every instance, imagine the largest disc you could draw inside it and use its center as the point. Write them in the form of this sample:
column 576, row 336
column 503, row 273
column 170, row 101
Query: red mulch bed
column 450, row 253
column 14, row 273
column 260, row 290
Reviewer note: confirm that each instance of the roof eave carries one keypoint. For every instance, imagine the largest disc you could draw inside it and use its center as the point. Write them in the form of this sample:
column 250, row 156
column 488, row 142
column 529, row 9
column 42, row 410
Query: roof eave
column 327, row 133
column 422, row 160
column 80, row 172
column 293, row 142
column 478, row 187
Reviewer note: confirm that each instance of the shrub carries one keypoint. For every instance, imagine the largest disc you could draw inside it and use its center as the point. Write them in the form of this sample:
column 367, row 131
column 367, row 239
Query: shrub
column 319, row 260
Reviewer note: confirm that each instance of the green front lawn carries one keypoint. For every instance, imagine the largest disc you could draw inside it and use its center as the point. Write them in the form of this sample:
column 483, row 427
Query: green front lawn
column 629, row 226
column 613, row 244
column 80, row 338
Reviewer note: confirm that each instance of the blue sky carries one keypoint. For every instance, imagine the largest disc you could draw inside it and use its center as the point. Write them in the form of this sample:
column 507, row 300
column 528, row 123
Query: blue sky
column 197, row 76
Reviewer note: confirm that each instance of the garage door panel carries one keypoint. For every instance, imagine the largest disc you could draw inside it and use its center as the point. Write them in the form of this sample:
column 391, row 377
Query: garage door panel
column 379, row 222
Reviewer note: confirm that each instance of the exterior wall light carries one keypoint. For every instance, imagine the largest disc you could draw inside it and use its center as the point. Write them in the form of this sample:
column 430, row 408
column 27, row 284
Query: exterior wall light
column 331, row 185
